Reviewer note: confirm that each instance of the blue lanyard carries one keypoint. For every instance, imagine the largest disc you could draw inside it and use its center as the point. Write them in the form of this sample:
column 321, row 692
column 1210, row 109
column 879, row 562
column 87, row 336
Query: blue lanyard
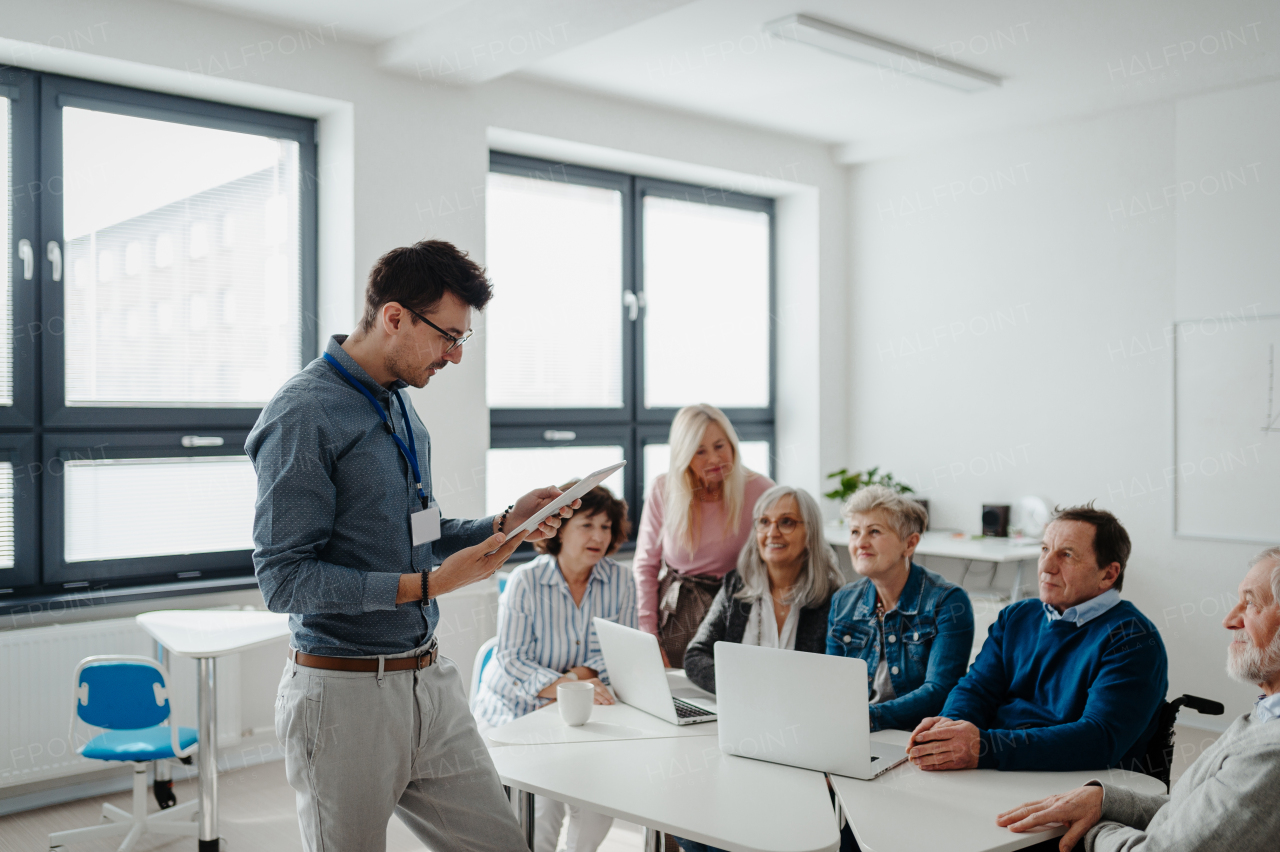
column 410, row 452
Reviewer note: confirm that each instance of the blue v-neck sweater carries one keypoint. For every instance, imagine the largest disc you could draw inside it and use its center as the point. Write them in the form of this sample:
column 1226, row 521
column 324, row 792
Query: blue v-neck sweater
column 1053, row 695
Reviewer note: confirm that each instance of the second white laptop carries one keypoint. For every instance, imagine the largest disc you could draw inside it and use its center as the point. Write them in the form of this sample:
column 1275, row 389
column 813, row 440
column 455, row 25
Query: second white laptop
column 634, row 663
column 806, row 710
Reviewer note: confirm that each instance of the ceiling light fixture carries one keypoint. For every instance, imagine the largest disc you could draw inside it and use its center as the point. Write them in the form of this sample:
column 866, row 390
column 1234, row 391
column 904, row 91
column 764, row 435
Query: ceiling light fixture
column 889, row 57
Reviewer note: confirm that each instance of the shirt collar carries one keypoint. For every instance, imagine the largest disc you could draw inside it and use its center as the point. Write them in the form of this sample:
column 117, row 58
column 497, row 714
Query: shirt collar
column 1082, row 613
column 334, row 348
column 1267, row 708
column 549, row 572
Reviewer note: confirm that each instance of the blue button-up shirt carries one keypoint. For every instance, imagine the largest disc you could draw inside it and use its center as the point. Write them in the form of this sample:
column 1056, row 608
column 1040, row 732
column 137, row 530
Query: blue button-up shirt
column 331, row 524
column 1082, row 613
column 1267, row 708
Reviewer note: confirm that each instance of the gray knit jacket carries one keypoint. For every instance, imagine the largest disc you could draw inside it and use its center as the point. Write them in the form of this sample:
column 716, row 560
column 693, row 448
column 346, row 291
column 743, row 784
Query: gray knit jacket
column 1227, row 801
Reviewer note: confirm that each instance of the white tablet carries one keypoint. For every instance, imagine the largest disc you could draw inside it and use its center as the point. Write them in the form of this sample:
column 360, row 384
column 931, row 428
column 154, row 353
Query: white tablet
column 583, row 486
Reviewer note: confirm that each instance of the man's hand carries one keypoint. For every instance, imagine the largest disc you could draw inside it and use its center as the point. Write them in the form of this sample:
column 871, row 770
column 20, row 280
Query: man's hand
column 942, row 743
column 1079, row 810
column 467, row 566
column 528, row 505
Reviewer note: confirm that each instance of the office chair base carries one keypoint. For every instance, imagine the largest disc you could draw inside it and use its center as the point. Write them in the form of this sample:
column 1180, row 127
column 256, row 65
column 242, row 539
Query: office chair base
column 177, row 820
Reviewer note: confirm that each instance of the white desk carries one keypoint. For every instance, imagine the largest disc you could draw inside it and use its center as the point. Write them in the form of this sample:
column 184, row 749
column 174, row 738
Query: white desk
column 910, row 810
column 608, row 722
column 206, row 635
column 685, row 786
column 996, row 551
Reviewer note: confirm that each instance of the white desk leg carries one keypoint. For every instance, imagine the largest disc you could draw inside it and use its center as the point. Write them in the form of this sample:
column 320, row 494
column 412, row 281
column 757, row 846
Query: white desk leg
column 207, row 755
column 525, row 816
column 1016, row 594
column 652, row 840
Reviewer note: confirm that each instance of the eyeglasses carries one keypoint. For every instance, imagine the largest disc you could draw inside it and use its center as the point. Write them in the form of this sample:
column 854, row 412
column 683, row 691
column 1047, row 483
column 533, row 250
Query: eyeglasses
column 785, row 525
column 454, row 342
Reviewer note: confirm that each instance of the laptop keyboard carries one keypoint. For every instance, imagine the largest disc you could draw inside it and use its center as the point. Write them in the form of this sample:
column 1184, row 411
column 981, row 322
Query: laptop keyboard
column 685, row 710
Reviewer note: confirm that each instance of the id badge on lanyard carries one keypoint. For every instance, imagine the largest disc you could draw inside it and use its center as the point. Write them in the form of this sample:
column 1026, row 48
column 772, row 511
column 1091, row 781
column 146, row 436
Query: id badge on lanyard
column 424, row 525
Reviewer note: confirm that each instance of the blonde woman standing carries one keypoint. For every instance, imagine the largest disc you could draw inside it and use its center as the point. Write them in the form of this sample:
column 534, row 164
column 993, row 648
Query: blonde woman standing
column 695, row 521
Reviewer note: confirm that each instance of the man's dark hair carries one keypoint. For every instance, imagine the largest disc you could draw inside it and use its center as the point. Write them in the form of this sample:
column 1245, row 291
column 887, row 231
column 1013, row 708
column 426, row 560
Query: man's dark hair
column 598, row 499
column 1110, row 540
column 419, row 275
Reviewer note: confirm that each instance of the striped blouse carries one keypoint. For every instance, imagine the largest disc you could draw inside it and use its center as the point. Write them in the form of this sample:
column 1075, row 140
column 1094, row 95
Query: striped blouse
column 542, row 634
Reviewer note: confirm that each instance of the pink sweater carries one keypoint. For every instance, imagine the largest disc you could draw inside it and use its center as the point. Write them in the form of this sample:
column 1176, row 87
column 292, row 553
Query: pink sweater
column 716, row 555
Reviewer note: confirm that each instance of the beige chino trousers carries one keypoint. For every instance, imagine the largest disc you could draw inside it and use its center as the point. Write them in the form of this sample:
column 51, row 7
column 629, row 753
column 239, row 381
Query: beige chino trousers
column 359, row 747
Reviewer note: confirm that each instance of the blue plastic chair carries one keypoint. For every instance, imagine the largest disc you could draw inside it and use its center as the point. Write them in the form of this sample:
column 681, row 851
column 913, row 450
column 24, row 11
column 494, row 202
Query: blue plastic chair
column 483, row 656
column 129, row 698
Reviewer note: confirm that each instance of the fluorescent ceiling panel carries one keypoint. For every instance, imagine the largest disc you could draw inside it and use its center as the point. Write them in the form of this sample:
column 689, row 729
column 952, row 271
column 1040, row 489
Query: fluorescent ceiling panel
column 891, row 57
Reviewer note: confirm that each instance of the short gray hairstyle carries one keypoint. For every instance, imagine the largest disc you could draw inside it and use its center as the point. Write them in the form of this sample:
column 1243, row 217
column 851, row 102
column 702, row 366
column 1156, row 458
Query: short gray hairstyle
column 821, row 575
column 1272, row 553
column 906, row 515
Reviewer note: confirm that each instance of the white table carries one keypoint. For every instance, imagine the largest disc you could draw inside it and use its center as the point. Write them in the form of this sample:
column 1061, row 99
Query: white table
column 608, row 722
column 910, row 810
column 682, row 785
column 996, row 551
column 206, row 635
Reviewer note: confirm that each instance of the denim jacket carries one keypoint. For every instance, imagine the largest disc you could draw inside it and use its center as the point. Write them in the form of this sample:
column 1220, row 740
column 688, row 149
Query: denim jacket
column 928, row 638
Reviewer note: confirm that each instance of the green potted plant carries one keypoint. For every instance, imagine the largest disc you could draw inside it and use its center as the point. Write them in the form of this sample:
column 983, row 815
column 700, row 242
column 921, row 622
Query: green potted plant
column 851, row 483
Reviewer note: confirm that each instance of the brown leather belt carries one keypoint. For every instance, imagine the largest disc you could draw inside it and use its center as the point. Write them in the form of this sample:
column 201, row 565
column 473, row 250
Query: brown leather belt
column 350, row 664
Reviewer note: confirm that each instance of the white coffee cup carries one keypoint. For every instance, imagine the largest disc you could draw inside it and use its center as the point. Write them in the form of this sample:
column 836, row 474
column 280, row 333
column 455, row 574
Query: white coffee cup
column 575, row 699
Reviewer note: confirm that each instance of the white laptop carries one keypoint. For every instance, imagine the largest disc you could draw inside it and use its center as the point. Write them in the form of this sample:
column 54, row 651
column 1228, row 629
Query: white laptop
column 636, row 674
column 806, row 710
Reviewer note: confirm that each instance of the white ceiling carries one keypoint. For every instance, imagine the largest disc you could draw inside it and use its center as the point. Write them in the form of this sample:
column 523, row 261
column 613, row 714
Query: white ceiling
column 712, row 57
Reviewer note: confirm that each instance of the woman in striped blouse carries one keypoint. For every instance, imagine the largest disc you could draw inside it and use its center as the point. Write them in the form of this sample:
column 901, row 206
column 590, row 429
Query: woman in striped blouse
column 546, row 638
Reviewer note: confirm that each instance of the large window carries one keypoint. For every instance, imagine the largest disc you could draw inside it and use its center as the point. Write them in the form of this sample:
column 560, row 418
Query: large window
column 159, row 287
column 620, row 299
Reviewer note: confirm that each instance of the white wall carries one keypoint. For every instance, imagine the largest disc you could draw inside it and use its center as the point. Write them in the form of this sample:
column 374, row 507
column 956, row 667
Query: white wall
column 420, row 164
column 1007, row 317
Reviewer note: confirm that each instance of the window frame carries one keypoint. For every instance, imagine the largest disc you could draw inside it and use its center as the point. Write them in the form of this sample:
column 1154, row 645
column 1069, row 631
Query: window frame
column 635, row 424
column 60, row 447
column 58, row 92
column 22, row 89
column 37, row 429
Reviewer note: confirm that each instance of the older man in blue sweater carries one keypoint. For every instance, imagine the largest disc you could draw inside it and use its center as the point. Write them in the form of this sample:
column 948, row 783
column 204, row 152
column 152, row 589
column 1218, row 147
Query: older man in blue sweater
column 1069, row 682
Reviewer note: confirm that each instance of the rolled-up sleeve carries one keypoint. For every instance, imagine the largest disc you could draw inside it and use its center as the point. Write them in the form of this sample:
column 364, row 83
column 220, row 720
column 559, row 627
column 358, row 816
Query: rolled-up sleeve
column 294, row 516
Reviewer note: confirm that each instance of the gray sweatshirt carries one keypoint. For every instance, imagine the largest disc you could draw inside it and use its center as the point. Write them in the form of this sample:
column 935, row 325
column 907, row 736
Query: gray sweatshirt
column 1227, row 801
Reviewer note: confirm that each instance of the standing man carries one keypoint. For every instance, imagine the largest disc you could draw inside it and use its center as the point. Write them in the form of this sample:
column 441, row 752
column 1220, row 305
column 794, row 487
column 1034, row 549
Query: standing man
column 346, row 537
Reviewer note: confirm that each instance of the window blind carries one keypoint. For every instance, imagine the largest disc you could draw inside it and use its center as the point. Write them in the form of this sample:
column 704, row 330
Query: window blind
column 129, row 508
column 182, row 258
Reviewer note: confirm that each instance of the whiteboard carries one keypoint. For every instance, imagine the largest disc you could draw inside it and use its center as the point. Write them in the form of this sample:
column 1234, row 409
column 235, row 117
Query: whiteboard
column 1226, row 469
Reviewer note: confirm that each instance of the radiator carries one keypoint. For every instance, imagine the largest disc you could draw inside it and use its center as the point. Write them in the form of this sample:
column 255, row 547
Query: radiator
column 36, row 667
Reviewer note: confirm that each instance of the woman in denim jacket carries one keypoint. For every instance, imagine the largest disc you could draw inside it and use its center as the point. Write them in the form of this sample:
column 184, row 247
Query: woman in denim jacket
column 913, row 628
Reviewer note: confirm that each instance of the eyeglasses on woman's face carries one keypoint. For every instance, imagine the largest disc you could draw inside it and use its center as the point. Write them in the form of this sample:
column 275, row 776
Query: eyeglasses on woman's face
column 785, row 524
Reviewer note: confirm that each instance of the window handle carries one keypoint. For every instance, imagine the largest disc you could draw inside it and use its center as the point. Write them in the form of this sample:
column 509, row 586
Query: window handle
column 559, row 435
column 54, row 253
column 28, row 258
column 633, row 302
column 201, row 441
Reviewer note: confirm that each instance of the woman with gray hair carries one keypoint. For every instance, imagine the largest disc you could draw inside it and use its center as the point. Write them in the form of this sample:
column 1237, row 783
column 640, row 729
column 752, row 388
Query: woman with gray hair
column 913, row 629
column 779, row 594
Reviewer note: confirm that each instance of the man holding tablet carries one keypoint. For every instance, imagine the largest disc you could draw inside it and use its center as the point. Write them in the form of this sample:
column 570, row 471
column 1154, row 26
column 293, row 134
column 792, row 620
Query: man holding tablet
column 346, row 536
